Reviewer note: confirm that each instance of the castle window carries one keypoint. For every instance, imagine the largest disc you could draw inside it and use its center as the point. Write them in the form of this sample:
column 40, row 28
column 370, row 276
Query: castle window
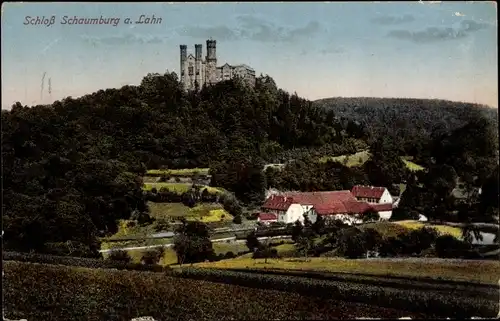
column 197, row 73
column 191, row 69
column 182, row 73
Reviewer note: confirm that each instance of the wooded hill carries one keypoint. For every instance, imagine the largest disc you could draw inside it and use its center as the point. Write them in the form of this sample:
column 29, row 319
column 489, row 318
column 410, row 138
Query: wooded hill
column 410, row 123
column 73, row 168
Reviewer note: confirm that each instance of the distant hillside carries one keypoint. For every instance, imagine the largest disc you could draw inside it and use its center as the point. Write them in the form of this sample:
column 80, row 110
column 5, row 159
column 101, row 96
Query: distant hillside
column 412, row 122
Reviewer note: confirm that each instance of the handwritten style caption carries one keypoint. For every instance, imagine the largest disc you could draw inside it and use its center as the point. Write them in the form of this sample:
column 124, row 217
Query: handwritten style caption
column 75, row 20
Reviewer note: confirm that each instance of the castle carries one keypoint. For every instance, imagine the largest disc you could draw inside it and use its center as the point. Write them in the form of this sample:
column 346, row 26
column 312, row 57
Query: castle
column 196, row 71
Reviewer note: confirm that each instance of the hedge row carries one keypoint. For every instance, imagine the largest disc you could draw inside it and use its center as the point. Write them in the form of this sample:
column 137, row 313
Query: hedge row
column 437, row 303
column 80, row 262
column 47, row 292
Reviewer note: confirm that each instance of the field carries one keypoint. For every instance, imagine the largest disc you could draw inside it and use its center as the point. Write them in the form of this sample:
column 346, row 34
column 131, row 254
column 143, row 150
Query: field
column 442, row 229
column 178, row 172
column 206, row 213
column 53, row 292
column 360, row 158
column 178, row 188
column 456, row 270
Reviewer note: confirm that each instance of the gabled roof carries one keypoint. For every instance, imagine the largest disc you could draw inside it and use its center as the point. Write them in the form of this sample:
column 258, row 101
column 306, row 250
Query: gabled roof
column 320, row 199
column 268, row 217
column 278, row 202
column 368, row 191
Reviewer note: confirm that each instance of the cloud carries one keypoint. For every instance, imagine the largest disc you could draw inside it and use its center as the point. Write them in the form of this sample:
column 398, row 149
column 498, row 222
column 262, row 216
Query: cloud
column 471, row 25
column 125, row 39
column 219, row 32
column 434, row 34
column 428, row 35
column 393, row 20
column 253, row 28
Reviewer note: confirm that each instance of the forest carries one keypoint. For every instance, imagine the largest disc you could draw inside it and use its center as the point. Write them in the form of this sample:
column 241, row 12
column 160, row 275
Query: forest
column 71, row 169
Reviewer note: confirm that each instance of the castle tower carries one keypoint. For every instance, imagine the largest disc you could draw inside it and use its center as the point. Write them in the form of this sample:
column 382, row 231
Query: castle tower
column 183, row 63
column 211, row 63
column 198, row 65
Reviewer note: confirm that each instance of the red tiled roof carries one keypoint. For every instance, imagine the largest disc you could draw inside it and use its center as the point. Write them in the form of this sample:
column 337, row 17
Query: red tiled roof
column 368, row 191
column 267, row 217
column 382, row 207
column 320, row 199
column 354, row 207
column 332, row 208
column 278, row 202
column 351, row 207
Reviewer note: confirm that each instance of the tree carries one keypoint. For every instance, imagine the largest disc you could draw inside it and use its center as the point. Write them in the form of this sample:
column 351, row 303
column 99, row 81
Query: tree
column 351, row 243
column 304, row 244
column 319, row 225
column 192, row 243
column 154, row 256
column 297, row 230
column 372, row 240
column 253, row 242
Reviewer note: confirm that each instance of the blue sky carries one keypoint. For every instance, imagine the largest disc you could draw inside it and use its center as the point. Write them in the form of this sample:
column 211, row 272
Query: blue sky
column 415, row 49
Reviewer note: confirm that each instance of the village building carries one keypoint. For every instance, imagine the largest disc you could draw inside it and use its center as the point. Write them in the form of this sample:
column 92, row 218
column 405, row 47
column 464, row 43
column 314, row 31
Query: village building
column 347, row 206
column 371, row 194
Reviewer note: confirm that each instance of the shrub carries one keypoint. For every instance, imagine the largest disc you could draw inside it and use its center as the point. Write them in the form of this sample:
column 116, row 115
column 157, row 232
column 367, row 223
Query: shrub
column 449, row 247
column 152, row 257
column 237, row 219
column 351, row 243
column 229, row 255
column 120, row 256
column 265, row 253
column 161, row 225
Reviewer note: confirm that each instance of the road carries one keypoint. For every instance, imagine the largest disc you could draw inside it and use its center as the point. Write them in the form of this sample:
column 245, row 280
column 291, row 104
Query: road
column 171, row 244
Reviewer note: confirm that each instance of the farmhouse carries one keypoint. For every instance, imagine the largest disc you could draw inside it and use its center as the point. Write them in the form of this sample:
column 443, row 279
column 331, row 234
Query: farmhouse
column 342, row 205
column 372, row 194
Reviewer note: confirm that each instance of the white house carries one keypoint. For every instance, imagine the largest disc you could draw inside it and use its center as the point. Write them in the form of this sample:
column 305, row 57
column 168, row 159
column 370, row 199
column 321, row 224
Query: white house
column 343, row 205
column 371, row 194
column 286, row 209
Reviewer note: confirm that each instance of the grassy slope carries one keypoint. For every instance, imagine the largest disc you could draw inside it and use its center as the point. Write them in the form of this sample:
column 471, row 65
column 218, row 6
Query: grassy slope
column 473, row 271
column 360, row 158
column 49, row 292
column 442, row 229
column 205, row 212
